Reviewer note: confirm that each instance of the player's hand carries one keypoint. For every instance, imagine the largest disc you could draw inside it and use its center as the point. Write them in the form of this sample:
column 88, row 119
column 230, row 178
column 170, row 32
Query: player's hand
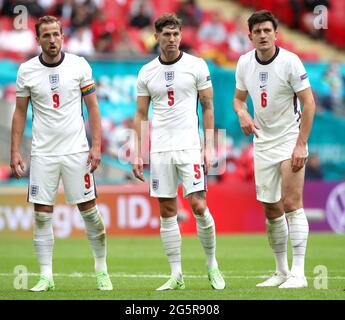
column 94, row 158
column 17, row 165
column 298, row 158
column 138, row 169
column 207, row 160
column 247, row 124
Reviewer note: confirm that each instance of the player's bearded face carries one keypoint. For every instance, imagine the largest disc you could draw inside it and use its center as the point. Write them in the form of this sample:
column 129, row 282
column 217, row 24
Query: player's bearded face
column 50, row 39
column 263, row 36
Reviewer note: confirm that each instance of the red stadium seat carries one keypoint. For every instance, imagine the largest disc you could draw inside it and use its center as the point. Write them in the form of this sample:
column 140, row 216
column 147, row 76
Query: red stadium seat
column 161, row 7
column 283, row 11
column 135, row 35
column 265, row 4
column 190, row 37
column 6, row 23
column 248, row 3
column 335, row 34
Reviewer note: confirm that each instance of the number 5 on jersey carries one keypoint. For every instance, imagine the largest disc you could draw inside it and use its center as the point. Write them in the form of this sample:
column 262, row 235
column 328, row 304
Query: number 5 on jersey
column 171, row 99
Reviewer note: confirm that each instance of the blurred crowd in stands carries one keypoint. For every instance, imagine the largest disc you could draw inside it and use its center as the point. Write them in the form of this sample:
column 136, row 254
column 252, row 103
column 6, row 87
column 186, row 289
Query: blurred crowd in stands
column 309, row 16
column 124, row 28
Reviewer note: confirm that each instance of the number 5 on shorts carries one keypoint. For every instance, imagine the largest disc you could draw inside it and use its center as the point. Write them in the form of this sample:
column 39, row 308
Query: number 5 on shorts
column 197, row 171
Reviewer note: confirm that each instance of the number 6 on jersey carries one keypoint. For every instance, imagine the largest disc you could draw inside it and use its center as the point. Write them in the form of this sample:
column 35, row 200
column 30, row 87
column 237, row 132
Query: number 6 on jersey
column 264, row 99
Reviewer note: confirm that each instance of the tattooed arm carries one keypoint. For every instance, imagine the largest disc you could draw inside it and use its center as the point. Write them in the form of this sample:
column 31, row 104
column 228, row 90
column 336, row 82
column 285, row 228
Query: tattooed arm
column 206, row 101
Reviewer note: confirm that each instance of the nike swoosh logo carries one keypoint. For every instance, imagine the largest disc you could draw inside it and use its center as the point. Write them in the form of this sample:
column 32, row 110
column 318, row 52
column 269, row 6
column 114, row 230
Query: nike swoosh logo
column 169, row 85
column 263, row 86
column 54, row 88
column 86, row 193
column 195, row 183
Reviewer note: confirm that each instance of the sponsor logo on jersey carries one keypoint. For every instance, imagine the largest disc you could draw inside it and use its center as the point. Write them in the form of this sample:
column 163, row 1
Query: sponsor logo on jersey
column 263, row 76
column 155, row 184
column 304, row 76
column 54, row 79
column 34, row 190
column 169, row 75
column 169, row 85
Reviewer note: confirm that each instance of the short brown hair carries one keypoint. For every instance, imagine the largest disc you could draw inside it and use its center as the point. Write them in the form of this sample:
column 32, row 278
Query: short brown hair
column 46, row 19
column 168, row 19
column 262, row 16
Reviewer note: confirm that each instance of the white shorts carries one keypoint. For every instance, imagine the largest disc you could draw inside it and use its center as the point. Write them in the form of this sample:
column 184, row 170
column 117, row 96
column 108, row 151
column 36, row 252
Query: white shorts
column 45, row 173
column 167, row 167
column 267, row 171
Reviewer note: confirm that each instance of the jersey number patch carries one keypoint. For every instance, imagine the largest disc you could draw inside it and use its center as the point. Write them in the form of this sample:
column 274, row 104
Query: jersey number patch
column 197, row 171
column 264, row 99
column 171, row 99
column 87, row 181
column 56, row 100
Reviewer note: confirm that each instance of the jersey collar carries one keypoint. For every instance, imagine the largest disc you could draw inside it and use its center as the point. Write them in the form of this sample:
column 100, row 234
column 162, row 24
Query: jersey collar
column 171, row 62
column 268, row 61
column 52, row 65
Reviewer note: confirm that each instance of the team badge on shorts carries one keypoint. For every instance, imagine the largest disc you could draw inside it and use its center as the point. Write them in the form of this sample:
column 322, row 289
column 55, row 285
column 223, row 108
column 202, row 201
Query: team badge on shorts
column 155, row 184
column 34, row 190
column 169, row 75
column 263, row 76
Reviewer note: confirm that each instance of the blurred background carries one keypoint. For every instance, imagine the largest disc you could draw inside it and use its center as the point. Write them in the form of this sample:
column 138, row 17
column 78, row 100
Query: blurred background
column 116, row 37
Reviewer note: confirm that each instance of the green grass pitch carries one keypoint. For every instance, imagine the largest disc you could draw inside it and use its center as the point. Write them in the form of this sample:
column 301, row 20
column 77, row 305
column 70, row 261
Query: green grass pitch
column 137, row 265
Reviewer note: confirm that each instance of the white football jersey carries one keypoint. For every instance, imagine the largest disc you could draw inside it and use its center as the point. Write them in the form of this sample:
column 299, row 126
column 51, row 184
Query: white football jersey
column 272, row 86
column 173, row 89
column 55, row 91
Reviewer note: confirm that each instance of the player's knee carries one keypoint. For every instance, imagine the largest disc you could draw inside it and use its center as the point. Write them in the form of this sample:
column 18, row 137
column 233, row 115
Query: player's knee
column 292, row 203
column 87, row 205
column 272, row 211
column 168, row 211
column 43, row 208
column 198, row 207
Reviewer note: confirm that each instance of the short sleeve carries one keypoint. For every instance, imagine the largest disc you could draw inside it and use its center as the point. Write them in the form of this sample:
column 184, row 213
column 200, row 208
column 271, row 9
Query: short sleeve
column 141, row 85
column 22, row 90
column 87, row 84
column 203, row 77
column 240, row 85
column 298, row 75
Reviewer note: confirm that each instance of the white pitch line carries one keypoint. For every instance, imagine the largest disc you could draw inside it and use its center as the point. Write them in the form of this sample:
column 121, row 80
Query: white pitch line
column 125, row 275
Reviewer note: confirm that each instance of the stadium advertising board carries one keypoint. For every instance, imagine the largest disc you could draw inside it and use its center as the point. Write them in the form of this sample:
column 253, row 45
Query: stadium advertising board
column 128, row 210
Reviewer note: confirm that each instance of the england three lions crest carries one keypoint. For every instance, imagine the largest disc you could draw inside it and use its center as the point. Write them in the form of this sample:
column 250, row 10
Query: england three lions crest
column 263, row 76
column 155, row 184
column 34, row 190
column 169, row 75
column 54, row 78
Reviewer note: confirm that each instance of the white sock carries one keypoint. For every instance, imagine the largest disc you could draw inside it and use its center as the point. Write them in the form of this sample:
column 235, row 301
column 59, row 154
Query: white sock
column 95, row 231
column 207, row 236
column 171, row 239
column 44, row 242
column 299, row 230
column 277, row 231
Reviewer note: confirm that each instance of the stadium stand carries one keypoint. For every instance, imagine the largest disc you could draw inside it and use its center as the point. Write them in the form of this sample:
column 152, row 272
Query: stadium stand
column 288, row 10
